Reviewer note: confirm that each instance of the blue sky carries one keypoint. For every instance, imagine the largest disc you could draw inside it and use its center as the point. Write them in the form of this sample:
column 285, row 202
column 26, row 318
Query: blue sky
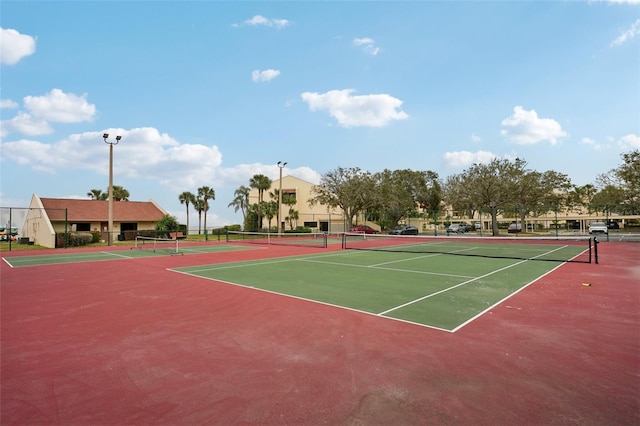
column 211, row 93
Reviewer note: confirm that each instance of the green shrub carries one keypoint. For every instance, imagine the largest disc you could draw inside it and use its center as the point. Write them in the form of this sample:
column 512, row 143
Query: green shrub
column 74, row 239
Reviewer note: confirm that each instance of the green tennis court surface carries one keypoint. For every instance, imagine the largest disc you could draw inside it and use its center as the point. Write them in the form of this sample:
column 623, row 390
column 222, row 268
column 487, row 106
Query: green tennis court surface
column 96, row 256
column 438, row 290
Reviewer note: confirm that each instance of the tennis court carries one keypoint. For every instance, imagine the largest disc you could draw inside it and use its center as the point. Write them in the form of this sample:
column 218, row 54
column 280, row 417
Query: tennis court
column 135, row 342
column 440, row 283
column 143, row 247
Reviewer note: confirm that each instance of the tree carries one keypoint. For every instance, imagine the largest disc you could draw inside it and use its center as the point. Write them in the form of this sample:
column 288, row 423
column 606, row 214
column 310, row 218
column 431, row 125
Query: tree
column 261, row 183
column 241, row 202
column 166, row 225
column 293, row 218
column 269, row 209
column 120, row 194
column 352, row 190
column 199, row 206
column 206, row 194
column 493, row 185
column 626, row 179
column 97, row 194
column 401, row 192
column 187, row 198
column 581, row 196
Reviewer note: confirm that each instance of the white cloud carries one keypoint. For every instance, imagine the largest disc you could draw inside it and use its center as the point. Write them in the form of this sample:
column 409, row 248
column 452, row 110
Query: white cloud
column 475, row 138
column 54, row 107
column 60, row 107
column 8, row 103
column 525, row 128
column 629, row 34
column 465, row 158
column 143, row 153
column 15, row 46
column 356, row 111
column 367, row 44
column 593, row 144
column 261, row 20
column 623, row 1
column 259, row 76
column 25, row 124
column 630, row 141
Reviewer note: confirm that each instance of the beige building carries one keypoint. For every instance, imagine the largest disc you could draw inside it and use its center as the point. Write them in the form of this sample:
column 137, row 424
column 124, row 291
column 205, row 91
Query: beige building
column 50, row 216
column 319, row 218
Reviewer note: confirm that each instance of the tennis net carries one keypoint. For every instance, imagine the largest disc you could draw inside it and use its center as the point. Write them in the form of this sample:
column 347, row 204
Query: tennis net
column 162, row 245
column 303, row 239
column 555, row 249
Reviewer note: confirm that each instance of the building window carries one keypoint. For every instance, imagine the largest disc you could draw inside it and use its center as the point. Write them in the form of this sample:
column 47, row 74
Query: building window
column 81, row 227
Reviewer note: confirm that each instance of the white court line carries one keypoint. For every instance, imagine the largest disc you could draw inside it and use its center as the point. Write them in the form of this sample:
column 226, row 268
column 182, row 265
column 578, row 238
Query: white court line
column 384, row 269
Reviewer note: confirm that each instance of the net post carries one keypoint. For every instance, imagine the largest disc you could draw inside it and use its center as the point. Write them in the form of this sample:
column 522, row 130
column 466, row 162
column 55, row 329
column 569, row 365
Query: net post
column 595, row 249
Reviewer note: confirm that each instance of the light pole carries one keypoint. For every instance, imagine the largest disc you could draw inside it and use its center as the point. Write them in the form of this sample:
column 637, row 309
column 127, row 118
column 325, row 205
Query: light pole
column 111, row 144
column 280, row 166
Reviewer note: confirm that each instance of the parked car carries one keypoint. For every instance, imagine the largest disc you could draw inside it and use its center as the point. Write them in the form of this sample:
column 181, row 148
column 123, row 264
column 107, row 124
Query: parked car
column 514, row 228
column 456, row 228
column 363, row 229
column 404, row 230
column 613, row 225
column 598, row 227
column 477, row 226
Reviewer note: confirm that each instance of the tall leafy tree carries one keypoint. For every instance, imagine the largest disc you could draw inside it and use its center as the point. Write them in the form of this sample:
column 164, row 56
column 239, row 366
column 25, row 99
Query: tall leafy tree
column 262, row 183
column 401, row 192
column 626, row 180
column 241, row 202
column 199, row 206
column 206, row 193
column 187, row 198
column 269, row 209
column 351, row 189
column 493, row 186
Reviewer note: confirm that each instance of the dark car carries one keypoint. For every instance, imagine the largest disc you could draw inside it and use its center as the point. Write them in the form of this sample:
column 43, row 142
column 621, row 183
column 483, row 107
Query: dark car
column 404, row 230
column 514, row 228
column 363, row 229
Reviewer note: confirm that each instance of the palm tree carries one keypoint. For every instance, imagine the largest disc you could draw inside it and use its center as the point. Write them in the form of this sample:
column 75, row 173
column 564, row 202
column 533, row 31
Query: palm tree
column 293, row 217
column 120, row 194
column 261, row 183
column 198, row 205
column 270, row 208
column 241, row 201
column 97, row 194
column 187, row 198
column 206, row 194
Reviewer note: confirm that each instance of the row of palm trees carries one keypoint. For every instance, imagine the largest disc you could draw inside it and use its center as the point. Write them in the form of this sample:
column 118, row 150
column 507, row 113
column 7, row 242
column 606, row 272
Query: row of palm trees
column 262, row 208
column 200, row 202
column 240, row 202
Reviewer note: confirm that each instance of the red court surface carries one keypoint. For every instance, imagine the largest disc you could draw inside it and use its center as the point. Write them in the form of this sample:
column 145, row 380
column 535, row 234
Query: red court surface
column 131, row 343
